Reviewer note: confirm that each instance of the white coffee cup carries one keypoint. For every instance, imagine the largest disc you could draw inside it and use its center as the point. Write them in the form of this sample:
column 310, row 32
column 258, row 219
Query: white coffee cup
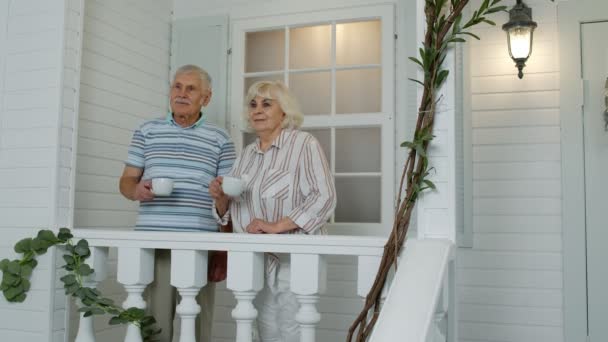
column 233, row 186
column 162, row 186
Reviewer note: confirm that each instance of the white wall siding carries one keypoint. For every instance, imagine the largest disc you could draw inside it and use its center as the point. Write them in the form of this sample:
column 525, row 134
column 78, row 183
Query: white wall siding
column 124, row 80
column 510, row 282
column 33, row 160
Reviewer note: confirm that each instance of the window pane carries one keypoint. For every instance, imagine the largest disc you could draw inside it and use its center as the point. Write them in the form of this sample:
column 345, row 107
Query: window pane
column 324, row 137
column 251, row 80
column 358, row 149
column 265, row 51
column 358, row 91
column 310, row 47
column 313, row 91
column 358, row 199
column 358, row 43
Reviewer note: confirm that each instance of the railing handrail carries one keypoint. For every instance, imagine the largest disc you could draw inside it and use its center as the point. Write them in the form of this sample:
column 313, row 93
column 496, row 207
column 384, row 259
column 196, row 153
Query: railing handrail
column 273, row 243
column 415, row 291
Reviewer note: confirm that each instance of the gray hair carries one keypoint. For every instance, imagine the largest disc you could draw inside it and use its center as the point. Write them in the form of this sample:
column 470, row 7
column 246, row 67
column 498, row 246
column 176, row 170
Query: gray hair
column 278, row 91
column 193, row 69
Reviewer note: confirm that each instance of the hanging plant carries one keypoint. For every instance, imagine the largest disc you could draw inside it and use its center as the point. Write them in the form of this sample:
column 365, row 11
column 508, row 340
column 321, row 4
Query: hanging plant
column 444, row 27
column 16, row 276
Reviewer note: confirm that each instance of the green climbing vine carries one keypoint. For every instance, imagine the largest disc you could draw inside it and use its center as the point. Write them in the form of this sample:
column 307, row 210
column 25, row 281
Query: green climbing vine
column 16, row 276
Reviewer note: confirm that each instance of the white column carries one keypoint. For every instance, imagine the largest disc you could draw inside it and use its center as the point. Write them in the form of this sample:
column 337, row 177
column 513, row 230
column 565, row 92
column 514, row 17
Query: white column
column 245, row 279
column 135, row 272
column 308, row 279
column 188, row 275
column 97, row 261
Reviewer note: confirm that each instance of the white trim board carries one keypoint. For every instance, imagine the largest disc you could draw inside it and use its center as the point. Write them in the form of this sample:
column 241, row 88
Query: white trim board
column 570, row 16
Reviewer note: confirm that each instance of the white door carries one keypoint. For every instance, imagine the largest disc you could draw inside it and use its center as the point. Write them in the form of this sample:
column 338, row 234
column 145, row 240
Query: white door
column 594, row 54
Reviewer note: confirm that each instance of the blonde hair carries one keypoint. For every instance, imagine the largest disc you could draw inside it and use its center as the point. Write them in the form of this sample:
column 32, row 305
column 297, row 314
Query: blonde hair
column 275, row 90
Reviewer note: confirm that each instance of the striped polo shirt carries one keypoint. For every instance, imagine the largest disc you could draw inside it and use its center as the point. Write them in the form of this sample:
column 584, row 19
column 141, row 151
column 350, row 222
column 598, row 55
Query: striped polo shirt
column 192, row 156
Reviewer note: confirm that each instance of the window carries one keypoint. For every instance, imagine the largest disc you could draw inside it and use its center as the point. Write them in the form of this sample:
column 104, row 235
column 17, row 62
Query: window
column 340, row 66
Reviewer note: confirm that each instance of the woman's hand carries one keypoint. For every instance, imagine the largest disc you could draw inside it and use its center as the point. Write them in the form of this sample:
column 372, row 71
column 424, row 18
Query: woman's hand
column 283, row 225
column 258, row 226
column 218, row 195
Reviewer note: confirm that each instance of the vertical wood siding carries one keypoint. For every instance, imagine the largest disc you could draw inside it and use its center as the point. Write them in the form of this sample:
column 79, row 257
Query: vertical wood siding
column 124, row 80
column 510, row 282
column 33, row 188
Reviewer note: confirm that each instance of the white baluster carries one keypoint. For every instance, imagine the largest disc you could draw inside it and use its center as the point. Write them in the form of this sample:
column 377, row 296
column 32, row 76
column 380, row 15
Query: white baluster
column 97, row 261
column 188, row 275
column 308, row 279
column 135, row 272
column 367, row 267
column 245, row 279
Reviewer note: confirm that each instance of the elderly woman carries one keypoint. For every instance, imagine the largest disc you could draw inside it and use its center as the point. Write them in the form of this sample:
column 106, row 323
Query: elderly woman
column 289, row 189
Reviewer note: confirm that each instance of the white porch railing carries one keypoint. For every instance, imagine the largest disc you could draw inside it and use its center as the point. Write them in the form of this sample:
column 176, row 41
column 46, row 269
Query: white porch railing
column 246, row 275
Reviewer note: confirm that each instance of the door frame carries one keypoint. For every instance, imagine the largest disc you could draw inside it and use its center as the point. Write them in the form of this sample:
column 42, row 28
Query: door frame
column 571, row 14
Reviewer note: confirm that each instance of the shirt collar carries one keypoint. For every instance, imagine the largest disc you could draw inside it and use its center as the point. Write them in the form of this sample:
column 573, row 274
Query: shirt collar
column 199, row 122
column 278, row 142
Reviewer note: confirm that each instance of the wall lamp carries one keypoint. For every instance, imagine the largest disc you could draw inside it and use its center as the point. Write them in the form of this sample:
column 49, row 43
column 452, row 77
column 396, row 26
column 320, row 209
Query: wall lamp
column 520, row 28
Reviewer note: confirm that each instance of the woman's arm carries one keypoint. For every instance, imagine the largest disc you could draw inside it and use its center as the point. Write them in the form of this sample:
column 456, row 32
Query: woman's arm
column 317, row 185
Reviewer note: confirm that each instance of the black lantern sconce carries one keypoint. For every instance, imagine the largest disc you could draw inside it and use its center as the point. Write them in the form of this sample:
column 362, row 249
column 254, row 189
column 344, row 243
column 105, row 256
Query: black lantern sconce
column 519, row 34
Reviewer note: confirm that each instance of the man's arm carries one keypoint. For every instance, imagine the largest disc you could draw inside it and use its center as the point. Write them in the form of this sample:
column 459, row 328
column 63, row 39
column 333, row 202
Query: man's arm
column 132, row 187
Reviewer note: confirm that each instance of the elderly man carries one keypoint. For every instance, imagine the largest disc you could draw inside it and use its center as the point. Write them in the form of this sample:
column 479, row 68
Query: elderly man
column 192, row 152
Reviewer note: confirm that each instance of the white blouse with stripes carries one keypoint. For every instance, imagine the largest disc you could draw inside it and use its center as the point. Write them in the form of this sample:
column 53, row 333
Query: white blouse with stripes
column 290, row 179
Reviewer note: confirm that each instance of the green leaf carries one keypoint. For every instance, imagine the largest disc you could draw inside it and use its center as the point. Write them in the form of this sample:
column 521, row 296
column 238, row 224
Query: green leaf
column 497, row 9
column 20, row 298
column 490, row 22
column 68, row 279
column 97, row 311
column 26, row 271
column 84, row 270
column 40, row 246
column 14, row 268
column 64, row 234
column 82, row 248
column 471, row 34
column 416, row 60
column 415, row 80
column 441, row 77
column 408, row 144
column 135, row 313
column 26, row 285
column 47, row 235
column 69, row 259
column 23, row 246
column 13, row 292
column 71, row 289
column 484, row 5
column 105, row 301
column 4, row 265
column 457, row 40
column 429, row 184
column 117, row 320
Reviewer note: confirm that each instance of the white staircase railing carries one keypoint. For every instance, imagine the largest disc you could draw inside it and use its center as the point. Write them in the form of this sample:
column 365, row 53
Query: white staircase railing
column 421, row 300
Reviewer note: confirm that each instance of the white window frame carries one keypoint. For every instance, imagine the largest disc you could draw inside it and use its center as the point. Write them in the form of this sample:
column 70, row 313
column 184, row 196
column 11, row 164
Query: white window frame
column 385, row 119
